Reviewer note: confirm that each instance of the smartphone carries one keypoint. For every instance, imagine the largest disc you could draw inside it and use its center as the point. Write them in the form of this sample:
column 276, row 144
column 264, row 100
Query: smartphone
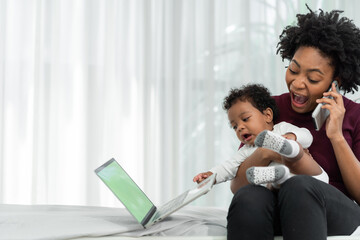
column 319, row 114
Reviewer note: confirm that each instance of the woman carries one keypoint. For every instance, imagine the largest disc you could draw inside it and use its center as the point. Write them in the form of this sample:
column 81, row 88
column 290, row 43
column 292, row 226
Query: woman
column 321, row 48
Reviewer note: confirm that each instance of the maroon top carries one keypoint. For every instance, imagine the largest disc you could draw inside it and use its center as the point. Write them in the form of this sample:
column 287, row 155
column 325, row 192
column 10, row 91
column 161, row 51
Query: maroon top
column 321, row 148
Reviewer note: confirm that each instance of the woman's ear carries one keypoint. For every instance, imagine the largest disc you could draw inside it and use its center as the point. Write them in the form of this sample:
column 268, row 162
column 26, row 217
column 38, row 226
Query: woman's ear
column 338, row 80
column 269, row 115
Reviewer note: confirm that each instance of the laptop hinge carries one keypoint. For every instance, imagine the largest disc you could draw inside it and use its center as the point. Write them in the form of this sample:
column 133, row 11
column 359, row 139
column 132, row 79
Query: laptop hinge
column 148, row 216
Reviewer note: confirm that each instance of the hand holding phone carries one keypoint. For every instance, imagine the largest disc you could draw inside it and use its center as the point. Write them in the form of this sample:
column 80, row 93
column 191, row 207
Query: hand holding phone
column 319, row 114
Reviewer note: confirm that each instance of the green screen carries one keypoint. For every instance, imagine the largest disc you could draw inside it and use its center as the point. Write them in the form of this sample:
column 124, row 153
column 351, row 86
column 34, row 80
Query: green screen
column 126, row 190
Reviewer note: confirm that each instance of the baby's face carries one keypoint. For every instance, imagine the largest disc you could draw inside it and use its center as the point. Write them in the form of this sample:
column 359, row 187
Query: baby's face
column 247, row 121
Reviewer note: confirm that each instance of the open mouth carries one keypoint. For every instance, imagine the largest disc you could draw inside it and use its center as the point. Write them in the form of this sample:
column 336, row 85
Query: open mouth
column 299, row 100
column 246, row 137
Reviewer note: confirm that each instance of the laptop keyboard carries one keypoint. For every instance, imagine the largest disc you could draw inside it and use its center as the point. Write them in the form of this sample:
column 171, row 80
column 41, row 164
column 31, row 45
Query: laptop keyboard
column 173, row 204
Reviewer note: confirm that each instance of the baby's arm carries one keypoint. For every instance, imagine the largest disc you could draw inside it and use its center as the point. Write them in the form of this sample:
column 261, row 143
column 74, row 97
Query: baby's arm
column 202, row 176
column 227, row 170
column 290, row 136
column 302, row 135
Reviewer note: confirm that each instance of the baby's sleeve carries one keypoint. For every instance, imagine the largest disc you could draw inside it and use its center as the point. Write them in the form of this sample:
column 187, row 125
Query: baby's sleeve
column 303, row 135
column 228, row 169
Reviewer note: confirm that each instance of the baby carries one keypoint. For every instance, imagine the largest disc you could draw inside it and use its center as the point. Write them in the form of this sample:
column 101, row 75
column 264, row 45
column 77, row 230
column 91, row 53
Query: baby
column 251, row 111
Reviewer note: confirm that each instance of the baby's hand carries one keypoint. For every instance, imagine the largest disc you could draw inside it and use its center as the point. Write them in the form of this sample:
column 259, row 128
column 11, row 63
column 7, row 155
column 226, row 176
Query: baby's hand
column 202, row 176
column 290, row 136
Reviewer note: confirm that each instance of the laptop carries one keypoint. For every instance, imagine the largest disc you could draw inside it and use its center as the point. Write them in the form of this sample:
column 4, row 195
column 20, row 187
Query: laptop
column 136, row 201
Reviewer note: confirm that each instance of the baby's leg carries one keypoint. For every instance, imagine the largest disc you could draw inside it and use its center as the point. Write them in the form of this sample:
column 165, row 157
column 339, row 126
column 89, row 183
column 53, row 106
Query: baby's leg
column 292, row 153
column 271, row 174
column 285, row 147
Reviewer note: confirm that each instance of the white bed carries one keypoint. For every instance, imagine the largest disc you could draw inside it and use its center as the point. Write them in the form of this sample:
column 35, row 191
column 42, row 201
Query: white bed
column 37, row 222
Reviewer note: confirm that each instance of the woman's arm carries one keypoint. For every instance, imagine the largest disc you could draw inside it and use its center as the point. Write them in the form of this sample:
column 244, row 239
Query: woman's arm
column 348, row 163
column 260, row 157
column 349, row 166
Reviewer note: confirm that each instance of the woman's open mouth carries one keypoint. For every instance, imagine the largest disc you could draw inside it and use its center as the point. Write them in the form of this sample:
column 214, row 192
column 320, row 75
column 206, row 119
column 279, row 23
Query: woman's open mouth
column 298, row 100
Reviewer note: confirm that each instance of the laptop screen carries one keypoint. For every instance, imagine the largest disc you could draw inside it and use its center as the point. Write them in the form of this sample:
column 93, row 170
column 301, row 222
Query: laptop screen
column 125, row 189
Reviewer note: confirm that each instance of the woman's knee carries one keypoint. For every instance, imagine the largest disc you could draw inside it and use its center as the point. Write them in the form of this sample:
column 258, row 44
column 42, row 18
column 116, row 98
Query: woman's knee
column 251, row 199
column 247, row 194
column 298, row 183
column 301, row 186
column 298, row 180
column 252, row 208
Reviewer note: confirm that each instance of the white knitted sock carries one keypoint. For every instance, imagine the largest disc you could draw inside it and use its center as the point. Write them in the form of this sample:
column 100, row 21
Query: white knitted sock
column 271, row 174
column 277, row 143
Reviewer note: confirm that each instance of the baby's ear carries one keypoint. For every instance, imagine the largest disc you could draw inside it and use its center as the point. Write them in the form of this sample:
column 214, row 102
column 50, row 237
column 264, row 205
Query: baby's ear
column 269, row 115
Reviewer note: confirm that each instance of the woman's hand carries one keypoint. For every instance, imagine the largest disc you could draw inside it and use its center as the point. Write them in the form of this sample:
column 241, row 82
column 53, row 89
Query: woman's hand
column 337, row 111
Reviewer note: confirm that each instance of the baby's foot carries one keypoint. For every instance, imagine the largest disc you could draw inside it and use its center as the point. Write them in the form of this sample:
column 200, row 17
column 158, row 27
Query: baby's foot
column 272, row 174
column 277, row 143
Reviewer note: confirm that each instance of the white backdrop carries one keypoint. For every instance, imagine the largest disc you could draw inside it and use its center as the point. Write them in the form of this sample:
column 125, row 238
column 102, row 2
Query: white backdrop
column 143, row 81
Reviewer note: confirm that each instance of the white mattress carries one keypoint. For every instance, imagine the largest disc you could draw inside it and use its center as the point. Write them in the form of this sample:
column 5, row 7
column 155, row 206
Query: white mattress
column 88, row 223
column 67, row 222
column 203, row 238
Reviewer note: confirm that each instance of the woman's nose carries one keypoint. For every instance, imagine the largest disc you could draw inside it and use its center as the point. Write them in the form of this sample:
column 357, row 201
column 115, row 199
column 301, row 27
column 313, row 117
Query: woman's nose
column 299, row 82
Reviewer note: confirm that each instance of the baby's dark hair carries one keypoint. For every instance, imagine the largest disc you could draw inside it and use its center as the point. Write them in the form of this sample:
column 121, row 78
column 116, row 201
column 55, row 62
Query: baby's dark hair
column 337, row 38
column 256, row 94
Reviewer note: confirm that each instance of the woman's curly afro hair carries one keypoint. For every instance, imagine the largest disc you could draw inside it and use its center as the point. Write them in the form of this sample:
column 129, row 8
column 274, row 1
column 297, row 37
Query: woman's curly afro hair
column 256, row 94
column 336, row 38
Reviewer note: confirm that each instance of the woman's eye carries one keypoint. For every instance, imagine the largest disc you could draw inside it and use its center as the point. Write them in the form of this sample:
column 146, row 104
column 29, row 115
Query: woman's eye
column 293, row 72
column 312, row 81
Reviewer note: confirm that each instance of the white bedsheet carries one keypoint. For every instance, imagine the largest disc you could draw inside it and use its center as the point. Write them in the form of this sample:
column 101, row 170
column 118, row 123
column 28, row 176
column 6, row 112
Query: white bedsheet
column 86, row 223
column 67, row 222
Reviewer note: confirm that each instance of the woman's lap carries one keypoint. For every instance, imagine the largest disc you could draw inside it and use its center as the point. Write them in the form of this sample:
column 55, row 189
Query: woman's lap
column 306, row 206
column 252, row 213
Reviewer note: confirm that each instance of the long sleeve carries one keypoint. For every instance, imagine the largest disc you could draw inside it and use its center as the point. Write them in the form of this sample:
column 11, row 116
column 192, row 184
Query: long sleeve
column 227, row 170
column 303, row 135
